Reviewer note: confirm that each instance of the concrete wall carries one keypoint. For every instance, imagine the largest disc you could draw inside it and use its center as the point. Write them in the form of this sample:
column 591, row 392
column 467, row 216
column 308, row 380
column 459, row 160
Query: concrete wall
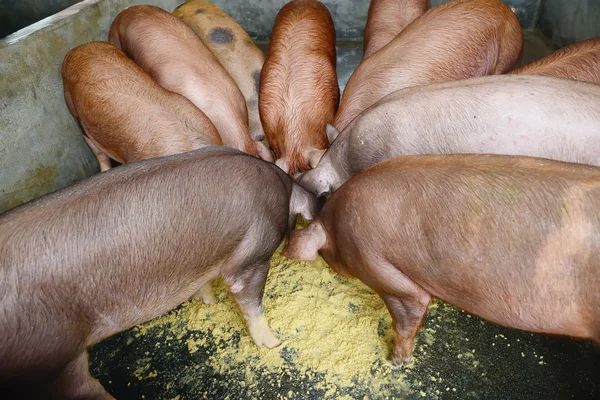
column 566, row 22
column 17, row 14
column 41, row 149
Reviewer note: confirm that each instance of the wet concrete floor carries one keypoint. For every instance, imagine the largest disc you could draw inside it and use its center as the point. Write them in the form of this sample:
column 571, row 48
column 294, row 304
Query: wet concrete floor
column 468, row 358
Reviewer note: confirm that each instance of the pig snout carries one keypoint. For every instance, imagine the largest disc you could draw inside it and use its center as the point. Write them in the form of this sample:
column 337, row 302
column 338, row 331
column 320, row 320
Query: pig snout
column 315, row 182
column 305, row 244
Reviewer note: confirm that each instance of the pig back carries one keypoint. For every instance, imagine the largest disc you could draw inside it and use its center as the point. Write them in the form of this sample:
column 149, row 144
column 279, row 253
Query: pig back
column 515, row 240
column 579, row 61
column 387, row 18
column 99, row 80
column 516, row 115
column 299, row 92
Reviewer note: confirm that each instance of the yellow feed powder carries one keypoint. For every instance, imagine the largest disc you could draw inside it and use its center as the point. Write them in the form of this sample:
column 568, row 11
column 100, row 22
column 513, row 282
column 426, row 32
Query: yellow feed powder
column 328, row 325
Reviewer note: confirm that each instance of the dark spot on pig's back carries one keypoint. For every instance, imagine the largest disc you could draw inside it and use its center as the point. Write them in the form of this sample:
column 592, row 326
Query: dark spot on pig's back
column 256, row 76
column 252, row 103
column 221, row 36
column 199, row 11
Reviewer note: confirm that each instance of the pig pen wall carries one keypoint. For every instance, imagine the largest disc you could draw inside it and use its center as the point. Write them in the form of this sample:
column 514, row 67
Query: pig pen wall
column 41, row 148
column 17, row 14
column 566, row 22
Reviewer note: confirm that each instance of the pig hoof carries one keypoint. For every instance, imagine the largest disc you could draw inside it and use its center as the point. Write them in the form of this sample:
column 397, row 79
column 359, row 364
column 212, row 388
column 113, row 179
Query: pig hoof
column 400, row 361
column 261, row 333
column 206, row 295
column 268, row 339
column 207, row 298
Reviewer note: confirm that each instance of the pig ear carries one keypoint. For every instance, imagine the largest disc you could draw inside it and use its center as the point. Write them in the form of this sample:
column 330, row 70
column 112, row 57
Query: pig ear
column 332, row 133
column 314, row 156
column 281, row 163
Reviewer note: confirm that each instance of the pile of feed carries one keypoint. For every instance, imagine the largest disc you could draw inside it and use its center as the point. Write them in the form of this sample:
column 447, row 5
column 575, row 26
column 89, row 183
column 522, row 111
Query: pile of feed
column 333, row 329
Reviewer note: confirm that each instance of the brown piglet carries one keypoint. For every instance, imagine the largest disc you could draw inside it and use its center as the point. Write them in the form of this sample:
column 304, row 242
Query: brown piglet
column 123, row 247
column 234, row 48
column 387, row 18
column 456, row 40
column 579, row 61
column 169, row 50
column 514, row 240
column 299, row 92
column 124, row 113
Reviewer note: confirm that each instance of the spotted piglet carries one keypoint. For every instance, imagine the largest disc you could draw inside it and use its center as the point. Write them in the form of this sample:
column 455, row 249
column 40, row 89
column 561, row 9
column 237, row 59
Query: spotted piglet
column 169, row 50
column 234, row 48
column 299, row 92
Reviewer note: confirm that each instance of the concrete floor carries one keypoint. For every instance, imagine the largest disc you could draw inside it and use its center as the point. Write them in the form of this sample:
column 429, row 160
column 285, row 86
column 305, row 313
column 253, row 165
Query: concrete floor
column 469, row 358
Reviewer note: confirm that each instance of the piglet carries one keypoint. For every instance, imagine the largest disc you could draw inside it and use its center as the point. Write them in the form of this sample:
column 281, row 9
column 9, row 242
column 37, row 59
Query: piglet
column 387, row 18
column 455, row 40
column 514, row 240
column 299, row 92
column 123, row 247
column 579, row 61
column 124, row 113
column 234, row 48
column 508, row 114
column 169, row 50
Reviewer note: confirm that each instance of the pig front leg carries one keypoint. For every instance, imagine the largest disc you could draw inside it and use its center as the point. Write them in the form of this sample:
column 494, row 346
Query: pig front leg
column 206, row 294
column 75, row 382
column 247, row 289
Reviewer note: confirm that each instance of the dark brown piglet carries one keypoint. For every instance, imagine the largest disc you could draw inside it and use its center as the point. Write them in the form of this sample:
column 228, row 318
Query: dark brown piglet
column 579, row 61
column 387, row 18
column 299, row 92
column 124, row 113
column 514, row 240
column 169, row 50
column 123, row 247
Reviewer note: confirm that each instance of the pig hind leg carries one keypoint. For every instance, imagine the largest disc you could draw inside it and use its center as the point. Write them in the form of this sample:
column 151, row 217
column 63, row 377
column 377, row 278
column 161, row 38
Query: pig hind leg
column 75, row 382
column 405, row 300
column 103, row 159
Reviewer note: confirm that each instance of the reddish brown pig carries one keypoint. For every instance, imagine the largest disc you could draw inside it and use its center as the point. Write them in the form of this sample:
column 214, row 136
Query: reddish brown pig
column 169, row 50
column 126, row 246
column 99, row 83
column 579, row 61
column 387, row 18
column 234, row 48
column 455, row 40
column 299, row 92
column 514, row 240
